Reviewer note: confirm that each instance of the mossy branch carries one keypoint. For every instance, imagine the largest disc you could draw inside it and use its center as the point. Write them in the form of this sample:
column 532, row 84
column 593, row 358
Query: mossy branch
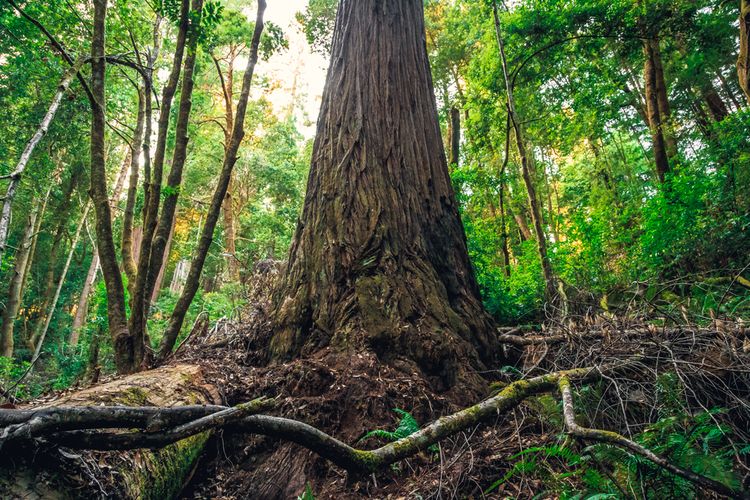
column 74, row 427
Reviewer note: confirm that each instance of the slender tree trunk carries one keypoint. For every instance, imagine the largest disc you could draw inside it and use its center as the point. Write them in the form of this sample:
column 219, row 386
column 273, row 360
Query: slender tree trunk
column 128, row 262
column 729, row 91
column 15, row 176
column 48, row 287
column 654, row 112
column 127, row 352
column 15, row 289
column 153, row 188
column 455, row 129
column 230, row 158
column 504, row 230
column 526, row 171
column 60, row 283
column 83, row 301
column 379, row 259
column 165, row 261
column 227, row 86
column 230, row 245
column 743, row 62
column 662, row 100
column 171, row 195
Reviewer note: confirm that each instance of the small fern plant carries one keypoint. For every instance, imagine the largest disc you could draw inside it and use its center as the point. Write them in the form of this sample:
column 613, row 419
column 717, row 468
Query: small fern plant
column 407, row 426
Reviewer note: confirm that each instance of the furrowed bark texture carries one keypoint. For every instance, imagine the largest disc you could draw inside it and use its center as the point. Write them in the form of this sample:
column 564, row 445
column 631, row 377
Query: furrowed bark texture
column 379, row 258
column 140, row 474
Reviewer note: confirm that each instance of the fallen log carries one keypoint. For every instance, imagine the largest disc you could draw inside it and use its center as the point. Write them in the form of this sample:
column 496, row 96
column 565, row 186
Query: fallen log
column 33, row 467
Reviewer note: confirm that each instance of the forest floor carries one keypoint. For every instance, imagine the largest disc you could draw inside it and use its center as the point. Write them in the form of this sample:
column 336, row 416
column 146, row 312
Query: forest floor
column 349, row 394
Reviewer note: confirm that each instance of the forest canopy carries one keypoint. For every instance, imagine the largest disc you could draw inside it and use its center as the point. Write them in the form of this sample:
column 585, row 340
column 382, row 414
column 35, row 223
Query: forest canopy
column 537, row 209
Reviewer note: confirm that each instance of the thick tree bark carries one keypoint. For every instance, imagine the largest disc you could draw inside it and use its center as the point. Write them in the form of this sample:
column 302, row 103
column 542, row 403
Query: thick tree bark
column 743, row 62
column 15, row 176
column 15, row 289
column 379, row 258
column 230, row 158
column 527, row 172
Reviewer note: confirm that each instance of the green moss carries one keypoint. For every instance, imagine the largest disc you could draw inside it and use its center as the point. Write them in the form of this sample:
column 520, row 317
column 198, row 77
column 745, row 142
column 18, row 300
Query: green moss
column 367, row 460
column 161, row 474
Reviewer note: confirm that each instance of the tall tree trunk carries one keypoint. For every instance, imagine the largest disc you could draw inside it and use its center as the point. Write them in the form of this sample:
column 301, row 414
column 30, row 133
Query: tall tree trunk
column 230, row 158
column 53, row 304
column 653, row 110
column 153, row 188
column 550, row 290
column 15, row 289
column 83, row 301
column 127, row 352
column 165, row 261
column 128, row 262
column 48, row 286
column 174, row 180
column 728, row 90
column 15, row 176
column 230, row 244
column 227, row 86
column 504, row 229
column 743, row 62
column 455, row 129
column 379, row 259
column 662, row 100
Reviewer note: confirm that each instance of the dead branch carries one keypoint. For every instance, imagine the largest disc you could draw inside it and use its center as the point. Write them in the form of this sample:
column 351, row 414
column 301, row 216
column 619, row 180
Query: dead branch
column 621, row 441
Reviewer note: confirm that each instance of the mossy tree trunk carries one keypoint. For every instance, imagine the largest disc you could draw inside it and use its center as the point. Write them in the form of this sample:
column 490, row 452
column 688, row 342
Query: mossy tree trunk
column 143, row 474
column 379, row 258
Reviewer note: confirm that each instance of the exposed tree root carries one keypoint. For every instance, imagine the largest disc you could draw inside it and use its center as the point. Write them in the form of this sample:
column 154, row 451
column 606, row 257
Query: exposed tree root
column 160, row 427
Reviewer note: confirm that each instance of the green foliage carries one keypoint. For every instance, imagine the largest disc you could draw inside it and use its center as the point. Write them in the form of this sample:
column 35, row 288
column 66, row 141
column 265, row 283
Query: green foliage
column 307, row 494
column 699, row 442
column 317, row 22
column 407, row 426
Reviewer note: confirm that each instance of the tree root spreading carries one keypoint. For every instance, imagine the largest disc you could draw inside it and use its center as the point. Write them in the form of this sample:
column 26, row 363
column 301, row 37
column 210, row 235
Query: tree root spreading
column 158, row 427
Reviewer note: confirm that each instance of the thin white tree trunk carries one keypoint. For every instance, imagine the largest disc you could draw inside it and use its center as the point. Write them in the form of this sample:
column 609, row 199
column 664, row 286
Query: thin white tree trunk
column 15, row 176
column 60, row 283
